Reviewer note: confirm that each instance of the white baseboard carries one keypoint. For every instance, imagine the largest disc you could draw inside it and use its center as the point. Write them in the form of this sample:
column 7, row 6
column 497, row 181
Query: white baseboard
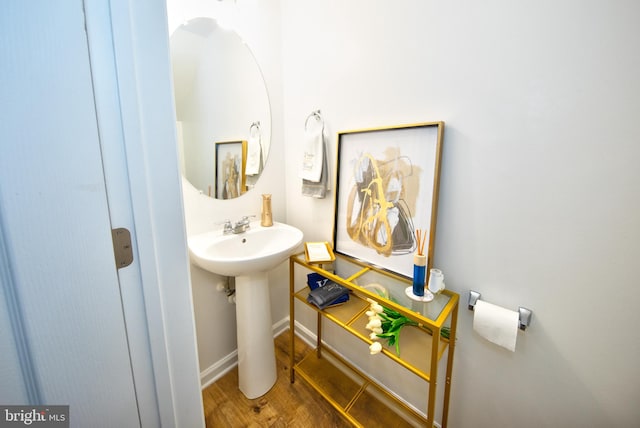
column 221, row 367
column 309, row 337
column 281, row 326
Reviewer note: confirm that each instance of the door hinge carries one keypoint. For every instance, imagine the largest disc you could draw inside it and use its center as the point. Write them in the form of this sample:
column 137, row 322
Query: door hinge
column 122, row 247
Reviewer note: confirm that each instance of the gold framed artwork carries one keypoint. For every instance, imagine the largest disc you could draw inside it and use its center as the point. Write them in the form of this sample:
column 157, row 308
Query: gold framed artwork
column 230, row 162
column 387, row 188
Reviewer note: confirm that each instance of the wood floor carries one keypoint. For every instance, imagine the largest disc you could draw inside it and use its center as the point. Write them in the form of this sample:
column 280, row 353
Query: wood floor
column 285, row 405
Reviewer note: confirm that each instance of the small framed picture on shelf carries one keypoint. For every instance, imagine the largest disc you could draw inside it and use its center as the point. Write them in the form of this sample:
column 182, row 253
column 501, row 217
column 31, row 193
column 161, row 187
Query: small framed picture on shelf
column 318, row 252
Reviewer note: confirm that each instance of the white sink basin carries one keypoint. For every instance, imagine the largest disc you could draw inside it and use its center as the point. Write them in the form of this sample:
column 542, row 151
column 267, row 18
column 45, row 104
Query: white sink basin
column 259, row 249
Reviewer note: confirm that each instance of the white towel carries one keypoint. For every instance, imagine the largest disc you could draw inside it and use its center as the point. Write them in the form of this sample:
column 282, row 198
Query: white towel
column 254, row 156
column 318, row 189
column 313, row 156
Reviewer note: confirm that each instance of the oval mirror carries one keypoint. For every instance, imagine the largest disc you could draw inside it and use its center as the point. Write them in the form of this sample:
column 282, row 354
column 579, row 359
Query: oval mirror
column 222, row 109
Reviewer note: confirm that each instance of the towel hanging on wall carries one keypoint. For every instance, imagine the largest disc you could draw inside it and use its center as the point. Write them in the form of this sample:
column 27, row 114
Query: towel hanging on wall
column 313, row 170
column 254, row 150
column 313, row 151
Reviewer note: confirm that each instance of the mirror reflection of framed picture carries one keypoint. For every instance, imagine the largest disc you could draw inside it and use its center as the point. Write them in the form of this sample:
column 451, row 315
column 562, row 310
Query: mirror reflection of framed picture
column 230, row 163
column 387, row 188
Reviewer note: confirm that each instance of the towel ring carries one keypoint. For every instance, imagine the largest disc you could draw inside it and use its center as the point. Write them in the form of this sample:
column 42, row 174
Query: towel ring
column 255, row 125
column 317, row 116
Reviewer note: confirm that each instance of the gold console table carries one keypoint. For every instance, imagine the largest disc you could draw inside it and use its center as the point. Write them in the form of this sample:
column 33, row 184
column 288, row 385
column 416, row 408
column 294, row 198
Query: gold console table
column 361, row 400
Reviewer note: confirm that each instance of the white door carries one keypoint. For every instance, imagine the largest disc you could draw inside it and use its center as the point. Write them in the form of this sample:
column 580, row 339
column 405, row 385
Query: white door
column 63, row 335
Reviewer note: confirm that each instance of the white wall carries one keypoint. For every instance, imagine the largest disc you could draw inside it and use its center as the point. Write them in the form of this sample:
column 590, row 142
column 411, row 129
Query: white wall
column 539, row 201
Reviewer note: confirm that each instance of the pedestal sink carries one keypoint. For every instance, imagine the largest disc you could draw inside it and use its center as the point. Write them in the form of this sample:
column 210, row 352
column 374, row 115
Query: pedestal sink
column 248, row 256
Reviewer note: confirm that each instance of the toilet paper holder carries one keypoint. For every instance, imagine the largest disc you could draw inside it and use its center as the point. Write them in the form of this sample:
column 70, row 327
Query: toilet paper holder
column 525, row 314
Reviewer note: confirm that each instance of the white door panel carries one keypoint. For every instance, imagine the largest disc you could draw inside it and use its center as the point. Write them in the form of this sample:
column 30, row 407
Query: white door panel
column 56, row 216
column 13, row 390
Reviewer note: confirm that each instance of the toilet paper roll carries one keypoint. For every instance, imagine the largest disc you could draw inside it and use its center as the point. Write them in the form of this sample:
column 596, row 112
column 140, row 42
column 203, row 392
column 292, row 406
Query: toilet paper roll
column 496, row 324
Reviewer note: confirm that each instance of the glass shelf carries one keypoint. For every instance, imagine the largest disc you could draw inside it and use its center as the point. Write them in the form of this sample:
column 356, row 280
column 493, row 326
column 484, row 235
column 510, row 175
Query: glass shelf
column 416, row 342
column 351, row 273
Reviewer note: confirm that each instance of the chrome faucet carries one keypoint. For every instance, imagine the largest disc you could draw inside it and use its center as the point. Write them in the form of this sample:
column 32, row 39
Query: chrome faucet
column 228, row 228
column 241, row 226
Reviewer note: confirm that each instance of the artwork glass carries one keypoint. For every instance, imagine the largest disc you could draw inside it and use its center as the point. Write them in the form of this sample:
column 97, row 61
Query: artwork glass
column 387, row 188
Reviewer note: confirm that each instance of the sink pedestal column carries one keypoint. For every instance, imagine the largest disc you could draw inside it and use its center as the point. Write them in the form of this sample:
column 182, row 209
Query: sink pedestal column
column 256, row 351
